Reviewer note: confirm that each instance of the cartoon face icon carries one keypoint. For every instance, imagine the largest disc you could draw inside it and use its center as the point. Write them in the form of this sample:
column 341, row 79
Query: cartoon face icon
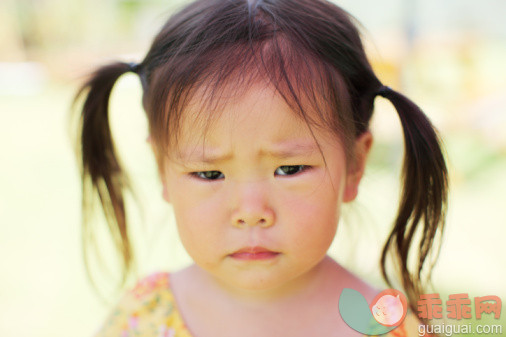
column 388, row 310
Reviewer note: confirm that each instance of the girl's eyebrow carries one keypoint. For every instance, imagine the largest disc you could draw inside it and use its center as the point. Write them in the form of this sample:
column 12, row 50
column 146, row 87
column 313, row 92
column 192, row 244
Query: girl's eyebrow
column 295, row 149
column 290, row 150
column 207, row 158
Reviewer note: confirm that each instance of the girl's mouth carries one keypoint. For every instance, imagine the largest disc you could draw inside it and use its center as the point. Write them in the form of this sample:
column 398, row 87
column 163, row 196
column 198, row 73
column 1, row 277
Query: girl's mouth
column 254, row 253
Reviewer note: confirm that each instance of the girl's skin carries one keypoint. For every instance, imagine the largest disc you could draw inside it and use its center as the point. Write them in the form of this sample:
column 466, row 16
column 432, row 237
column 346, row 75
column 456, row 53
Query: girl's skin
column 261, row 177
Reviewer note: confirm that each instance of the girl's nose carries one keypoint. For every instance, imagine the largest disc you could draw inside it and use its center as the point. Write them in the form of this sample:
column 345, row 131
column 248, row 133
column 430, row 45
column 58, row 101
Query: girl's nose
column 252, row 208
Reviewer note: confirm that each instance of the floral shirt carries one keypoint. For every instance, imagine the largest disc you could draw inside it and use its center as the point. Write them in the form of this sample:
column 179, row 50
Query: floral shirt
column 150, row 310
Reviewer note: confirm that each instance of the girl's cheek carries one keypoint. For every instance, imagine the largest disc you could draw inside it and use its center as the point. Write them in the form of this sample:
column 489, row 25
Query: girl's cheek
column 315, row 199
column 200, row 209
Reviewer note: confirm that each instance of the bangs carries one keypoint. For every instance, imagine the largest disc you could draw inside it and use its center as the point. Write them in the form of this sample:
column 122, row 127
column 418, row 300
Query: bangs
column 208, row 65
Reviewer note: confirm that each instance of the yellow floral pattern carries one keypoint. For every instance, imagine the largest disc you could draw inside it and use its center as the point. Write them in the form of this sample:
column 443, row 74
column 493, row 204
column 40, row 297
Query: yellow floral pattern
column 147, row 310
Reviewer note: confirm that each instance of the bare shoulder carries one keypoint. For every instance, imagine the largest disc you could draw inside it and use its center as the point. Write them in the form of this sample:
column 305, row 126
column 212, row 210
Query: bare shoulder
column 353, row 281
column 409, row 327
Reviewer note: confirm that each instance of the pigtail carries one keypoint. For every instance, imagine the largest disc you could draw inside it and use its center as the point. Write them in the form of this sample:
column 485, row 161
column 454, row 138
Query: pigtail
column 101, row 172
column 423, row 202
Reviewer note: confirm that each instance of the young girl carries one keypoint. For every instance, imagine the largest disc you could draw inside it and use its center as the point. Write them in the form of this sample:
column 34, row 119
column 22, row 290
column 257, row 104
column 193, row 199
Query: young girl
column 259, row 118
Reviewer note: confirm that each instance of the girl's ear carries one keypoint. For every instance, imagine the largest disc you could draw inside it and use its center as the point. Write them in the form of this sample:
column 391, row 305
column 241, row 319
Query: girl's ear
column 354, row 175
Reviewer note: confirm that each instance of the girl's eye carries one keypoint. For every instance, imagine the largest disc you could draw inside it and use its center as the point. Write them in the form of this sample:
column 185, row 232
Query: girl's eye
column 208, row 175
column 289, row 170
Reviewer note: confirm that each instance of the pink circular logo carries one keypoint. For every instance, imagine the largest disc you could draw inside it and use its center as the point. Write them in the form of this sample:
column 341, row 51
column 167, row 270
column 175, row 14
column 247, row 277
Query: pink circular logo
column 389, row 307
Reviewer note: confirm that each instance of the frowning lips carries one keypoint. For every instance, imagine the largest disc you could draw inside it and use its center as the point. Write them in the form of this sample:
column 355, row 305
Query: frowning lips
column 254, row 253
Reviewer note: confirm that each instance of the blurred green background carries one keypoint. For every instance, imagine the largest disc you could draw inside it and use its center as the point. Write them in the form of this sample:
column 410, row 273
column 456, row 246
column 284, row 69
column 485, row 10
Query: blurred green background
column 448, row 56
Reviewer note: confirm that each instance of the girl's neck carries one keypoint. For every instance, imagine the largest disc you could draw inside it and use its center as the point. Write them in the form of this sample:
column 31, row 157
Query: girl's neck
column 297, row 309
column 316, row 283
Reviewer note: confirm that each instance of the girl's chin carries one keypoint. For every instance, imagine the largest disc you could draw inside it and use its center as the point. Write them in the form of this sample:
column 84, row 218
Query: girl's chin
column 255, row 284
column 252, row 283
column 262, row 286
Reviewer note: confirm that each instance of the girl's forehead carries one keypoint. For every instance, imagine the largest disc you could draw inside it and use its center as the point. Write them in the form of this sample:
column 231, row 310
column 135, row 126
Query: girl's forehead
column 259, row 120
column 228, row 109
column 237, row 100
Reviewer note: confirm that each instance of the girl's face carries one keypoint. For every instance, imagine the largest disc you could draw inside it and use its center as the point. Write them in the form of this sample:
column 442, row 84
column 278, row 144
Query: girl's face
column 260, row 179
